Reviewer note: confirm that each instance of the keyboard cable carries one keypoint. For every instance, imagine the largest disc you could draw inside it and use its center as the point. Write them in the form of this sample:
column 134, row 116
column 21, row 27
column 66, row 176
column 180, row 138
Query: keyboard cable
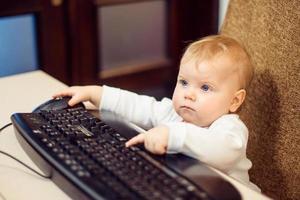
column 16, row 159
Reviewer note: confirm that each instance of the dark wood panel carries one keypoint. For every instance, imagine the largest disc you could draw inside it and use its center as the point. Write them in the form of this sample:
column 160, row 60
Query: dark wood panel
column 174, row 38
column 111, row 2
column 15, row 7
column 52, row 41
column 82, row 18
column 197, row 19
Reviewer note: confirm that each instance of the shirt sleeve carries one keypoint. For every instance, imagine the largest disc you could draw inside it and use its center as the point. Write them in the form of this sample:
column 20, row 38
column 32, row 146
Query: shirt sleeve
column 221, row 145
column 142, row 110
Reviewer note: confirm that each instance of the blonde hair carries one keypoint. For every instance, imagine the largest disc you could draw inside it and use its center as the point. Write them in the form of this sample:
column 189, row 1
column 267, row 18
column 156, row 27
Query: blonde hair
column 211, row 46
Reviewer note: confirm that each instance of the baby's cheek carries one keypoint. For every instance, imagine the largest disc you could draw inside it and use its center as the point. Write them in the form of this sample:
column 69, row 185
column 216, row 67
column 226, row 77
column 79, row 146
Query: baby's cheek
column 175, row 105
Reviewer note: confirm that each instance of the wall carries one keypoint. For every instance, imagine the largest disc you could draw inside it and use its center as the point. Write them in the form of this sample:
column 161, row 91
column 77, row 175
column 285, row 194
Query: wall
column 17, row 44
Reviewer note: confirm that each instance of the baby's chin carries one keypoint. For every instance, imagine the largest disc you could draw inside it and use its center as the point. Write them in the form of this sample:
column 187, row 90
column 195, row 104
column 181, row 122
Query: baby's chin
column 191, row 117
column 196, row 122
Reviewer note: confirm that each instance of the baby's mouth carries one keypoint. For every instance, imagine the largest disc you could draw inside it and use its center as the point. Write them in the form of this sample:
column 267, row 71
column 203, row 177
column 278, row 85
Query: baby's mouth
column 187, row 108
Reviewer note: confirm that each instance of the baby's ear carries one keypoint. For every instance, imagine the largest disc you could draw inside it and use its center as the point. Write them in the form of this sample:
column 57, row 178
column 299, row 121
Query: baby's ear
column 237, row 100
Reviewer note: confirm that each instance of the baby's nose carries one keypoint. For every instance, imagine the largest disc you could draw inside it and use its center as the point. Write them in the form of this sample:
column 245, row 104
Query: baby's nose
column 190, row 94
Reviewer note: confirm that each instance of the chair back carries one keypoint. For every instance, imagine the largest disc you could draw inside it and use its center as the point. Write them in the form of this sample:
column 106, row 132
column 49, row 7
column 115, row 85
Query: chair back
column 270, row 31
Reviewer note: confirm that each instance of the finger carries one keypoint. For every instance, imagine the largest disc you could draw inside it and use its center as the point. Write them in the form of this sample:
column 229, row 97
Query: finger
column 74, row 100
column 135, row 140
column 63, row 94
column 148, row 145
column 159, row 149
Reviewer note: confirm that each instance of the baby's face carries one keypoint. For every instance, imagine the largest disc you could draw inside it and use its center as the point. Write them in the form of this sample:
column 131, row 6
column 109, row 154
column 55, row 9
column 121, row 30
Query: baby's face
column 205, row 92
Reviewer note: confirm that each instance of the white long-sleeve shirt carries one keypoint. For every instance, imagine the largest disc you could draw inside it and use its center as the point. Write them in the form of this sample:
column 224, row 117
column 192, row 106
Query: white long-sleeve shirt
column 221, row 145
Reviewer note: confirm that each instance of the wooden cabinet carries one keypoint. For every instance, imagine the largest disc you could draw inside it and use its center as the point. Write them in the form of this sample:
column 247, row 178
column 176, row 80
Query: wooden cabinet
column 84, row 41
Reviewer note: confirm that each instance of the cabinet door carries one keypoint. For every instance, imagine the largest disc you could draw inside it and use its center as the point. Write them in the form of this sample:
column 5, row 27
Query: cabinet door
column 122, row 43
column 134, row 44
column 49, row 31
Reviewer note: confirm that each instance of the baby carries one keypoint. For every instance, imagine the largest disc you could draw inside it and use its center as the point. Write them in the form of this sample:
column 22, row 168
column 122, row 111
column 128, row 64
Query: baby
column 200, row 120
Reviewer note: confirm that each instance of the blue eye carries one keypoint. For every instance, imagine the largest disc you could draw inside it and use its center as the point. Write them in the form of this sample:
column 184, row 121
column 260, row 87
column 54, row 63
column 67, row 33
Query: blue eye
column 205, row 87
column 183, row 82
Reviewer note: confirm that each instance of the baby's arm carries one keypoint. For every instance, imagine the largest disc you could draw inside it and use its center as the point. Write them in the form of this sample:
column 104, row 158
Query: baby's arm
column 143, row 111
column 91, row 93
column 220, row 146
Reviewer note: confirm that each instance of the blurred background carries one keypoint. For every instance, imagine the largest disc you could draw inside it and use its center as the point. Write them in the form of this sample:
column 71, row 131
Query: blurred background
column 132, row 44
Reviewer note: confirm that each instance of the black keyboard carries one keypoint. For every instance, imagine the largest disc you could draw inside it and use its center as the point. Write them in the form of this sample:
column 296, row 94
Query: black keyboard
column 88, row 159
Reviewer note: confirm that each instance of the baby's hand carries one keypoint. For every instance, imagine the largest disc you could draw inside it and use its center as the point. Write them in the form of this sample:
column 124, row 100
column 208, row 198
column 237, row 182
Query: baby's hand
column 155, row 140
column 81, row 94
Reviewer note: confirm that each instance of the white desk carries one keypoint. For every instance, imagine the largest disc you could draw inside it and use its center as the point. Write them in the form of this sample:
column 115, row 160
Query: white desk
column 22, row 93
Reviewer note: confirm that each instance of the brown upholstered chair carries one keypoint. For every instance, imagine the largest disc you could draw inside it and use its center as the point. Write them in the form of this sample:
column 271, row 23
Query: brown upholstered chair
column 270, row 30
